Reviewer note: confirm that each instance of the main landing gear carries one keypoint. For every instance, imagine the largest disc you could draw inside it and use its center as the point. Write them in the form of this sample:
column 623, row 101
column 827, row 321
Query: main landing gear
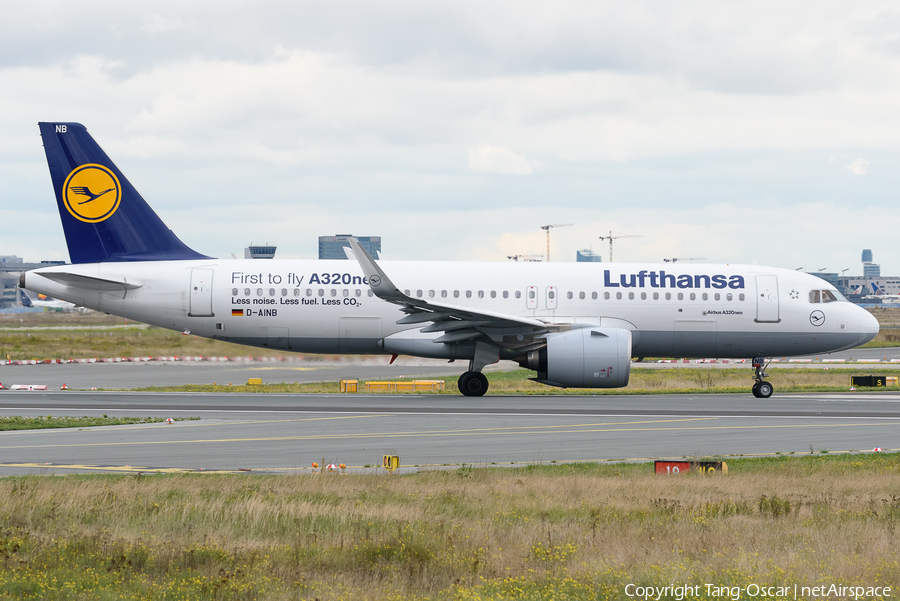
column 473, row 383
column 761, row 389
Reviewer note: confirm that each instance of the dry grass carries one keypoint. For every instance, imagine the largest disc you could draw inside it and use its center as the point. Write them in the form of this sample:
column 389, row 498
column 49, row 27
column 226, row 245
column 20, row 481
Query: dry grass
column 541, row 532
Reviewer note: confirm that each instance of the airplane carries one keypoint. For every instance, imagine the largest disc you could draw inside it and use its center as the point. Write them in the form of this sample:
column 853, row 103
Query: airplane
column 577, row 325
column 886, row 299
column 41, row 301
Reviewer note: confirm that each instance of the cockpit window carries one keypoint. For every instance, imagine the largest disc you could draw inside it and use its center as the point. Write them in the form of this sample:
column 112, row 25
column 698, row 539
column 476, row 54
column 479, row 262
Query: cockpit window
column 828, row 296
column 814, row 296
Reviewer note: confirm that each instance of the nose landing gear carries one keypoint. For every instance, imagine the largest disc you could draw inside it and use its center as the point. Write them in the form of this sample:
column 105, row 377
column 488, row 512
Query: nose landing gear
column 761, row 389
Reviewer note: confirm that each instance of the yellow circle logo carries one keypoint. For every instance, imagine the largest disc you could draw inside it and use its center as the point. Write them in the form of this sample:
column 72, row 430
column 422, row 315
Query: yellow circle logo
column 91, row 193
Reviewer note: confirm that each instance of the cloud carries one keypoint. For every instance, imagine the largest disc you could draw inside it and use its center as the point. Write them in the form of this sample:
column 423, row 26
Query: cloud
column 858, row 167
column 493, row 159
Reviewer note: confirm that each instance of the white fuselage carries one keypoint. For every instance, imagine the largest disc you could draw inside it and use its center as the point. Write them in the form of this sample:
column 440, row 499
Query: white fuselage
column 692, row 310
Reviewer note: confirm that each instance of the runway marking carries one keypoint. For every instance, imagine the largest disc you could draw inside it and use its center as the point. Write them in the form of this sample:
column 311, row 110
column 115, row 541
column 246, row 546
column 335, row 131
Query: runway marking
column 289, row 369
column 426, row 434
column 191, row 424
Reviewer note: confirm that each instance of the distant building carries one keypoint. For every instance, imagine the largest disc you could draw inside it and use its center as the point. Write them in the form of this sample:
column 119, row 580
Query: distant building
column 259, row 252
column 332, row 247
column 870, row 269
column 587, row 256
column 10, row 259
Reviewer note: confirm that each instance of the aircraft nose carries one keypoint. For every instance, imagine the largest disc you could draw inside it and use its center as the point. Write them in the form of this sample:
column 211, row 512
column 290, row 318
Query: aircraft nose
column 868, row 327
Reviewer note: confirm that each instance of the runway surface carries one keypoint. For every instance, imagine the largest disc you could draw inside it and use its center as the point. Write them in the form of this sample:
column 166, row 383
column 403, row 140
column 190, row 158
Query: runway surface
column 268, row 433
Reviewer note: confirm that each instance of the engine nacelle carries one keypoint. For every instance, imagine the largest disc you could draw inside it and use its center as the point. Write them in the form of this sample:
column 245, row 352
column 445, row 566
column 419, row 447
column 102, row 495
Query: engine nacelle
column 593, row 357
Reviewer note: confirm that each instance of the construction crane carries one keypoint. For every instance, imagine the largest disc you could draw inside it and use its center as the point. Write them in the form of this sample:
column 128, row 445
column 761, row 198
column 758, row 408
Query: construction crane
column 547, row 229
column 611, row 238
column 526, row 258
column 675, row 260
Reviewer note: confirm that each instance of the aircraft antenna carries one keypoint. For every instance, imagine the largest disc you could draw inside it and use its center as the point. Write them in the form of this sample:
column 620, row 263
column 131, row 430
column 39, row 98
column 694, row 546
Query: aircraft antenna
column 547, row 229
column 611, row 238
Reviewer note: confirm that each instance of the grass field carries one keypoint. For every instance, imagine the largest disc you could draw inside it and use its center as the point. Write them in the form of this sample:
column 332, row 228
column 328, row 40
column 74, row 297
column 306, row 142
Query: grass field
column 643, row 381
column 543, row 532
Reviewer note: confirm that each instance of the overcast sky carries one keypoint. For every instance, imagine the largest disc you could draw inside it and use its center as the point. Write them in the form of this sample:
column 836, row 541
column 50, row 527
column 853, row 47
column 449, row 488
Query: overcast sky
column 763, row 132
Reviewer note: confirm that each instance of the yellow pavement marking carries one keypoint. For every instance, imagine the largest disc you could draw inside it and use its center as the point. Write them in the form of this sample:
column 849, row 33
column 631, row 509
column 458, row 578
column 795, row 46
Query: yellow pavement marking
column 431, row 434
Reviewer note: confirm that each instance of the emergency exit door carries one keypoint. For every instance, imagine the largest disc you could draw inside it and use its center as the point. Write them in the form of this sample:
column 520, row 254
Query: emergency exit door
column 201, row 293
column 767, row 299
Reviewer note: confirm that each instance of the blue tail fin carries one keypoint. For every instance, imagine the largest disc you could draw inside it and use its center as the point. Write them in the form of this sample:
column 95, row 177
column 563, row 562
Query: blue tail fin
column 23, row 298
column 103, row 216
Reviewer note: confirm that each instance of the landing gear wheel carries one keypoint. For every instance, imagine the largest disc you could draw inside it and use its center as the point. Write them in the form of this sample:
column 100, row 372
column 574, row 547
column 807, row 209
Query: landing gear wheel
column 764, row 390
column 755, row 389
column 472, row 383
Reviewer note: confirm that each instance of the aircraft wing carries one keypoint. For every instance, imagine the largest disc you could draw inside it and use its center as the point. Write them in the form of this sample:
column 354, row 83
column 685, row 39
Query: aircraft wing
column 458, row 324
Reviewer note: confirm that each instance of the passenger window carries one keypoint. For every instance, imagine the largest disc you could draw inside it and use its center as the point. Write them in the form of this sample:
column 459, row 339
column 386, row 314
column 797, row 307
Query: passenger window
column 581, row 295
column 456, row 294
column 551, row 295
column 406, row 292
column 481, row 294
column 668, row 296
column 259, row 292
column 334, row 292
column 271, row 292
column 727, row 296
column 358, row 292
column 234, row 292
column 518, row 294
column 246, row 292
column 346, row 292
column 680, row 296
column 741, row 296
column 656, row 296
column 505, row 294
column 531, row 294
column 813, row 296
column 309, row 292
column 370, row 293
column 693, row 296
column 618, row 296
column 705, row 296
column 296, row 292
column 606, row 296
column 569, row 295
column 468, row 294
column 631, row 296
column 321, row 292
column 493, row 294
column 284, row 292
column 593, row 295
column 431, row 294
column 718, row 296
column 443, row 294
column 828, row 297
column 643, row 296
column 419, row 293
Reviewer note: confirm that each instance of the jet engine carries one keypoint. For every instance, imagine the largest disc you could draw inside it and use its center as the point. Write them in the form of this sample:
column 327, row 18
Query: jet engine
column 592, row 357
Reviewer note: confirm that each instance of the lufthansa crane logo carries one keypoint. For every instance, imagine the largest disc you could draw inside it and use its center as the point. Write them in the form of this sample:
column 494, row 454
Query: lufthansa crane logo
column 817, row 318
column 375, row 280
column 92, row 193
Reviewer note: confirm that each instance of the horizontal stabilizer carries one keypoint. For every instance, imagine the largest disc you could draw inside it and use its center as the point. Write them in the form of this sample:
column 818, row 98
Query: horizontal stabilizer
column 75, row 280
